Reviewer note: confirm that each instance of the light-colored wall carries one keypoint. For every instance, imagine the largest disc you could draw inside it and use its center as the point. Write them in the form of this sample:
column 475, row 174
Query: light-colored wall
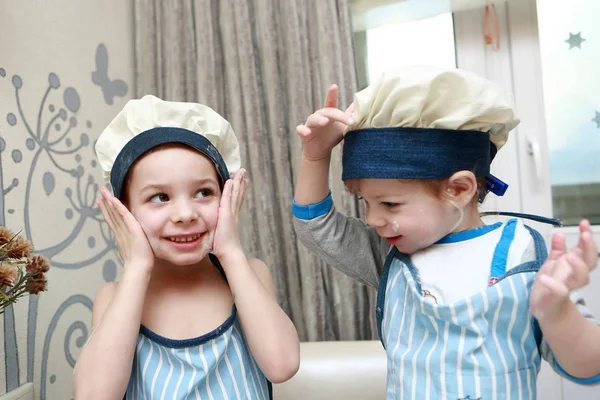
column 51, row 112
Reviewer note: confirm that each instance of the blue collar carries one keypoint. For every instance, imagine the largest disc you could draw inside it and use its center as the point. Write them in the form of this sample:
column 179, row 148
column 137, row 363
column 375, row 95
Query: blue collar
column 469, row 234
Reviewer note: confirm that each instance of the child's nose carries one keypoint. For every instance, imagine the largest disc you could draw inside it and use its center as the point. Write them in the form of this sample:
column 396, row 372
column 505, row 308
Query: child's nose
column 184, row 212
column 375, row 219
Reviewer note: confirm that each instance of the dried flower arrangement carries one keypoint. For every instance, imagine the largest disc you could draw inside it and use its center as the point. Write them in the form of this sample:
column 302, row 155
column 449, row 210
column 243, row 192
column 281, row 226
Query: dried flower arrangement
column 21, row 271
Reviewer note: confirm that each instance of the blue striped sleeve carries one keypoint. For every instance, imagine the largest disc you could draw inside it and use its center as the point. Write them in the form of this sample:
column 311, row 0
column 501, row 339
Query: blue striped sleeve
column 312, row 211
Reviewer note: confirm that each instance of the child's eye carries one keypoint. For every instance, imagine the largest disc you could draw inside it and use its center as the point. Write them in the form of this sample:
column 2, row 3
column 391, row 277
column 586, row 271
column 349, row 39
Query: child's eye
column 388, row 204
column 204, row 193
column 159, row 198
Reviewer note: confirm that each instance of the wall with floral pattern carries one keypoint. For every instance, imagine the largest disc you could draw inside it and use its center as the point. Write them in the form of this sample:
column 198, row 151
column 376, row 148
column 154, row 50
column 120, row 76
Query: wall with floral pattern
column 66, row 69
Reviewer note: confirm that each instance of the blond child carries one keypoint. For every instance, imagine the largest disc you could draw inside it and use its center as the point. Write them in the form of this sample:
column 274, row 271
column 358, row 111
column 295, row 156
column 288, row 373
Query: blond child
column 465, row 310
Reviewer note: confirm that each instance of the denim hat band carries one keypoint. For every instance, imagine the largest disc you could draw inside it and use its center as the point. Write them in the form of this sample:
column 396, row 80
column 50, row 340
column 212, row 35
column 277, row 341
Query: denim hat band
column 415, row 153
column 145, row 141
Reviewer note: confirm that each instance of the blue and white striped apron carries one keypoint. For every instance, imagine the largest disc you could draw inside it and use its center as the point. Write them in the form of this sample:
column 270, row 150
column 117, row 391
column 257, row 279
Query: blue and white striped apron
column 482, row 347
column 214, row 366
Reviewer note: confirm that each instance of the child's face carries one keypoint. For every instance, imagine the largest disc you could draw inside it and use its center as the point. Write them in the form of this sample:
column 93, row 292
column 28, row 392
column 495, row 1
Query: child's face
column 408, row 213
column 174, row 194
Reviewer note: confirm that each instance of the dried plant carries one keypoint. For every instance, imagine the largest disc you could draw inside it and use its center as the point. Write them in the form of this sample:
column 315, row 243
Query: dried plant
column 21, row 271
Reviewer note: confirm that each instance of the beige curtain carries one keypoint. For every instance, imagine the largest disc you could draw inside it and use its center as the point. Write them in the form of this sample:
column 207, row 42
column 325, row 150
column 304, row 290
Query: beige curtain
column 265, row 65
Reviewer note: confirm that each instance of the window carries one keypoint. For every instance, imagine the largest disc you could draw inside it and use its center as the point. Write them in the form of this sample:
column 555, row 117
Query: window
column 569, row 36
column 400, row 34
column 425, row 42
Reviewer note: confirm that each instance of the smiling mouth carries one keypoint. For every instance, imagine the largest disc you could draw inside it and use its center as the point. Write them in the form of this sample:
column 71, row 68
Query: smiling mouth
column 184, row 239
column 394, row 238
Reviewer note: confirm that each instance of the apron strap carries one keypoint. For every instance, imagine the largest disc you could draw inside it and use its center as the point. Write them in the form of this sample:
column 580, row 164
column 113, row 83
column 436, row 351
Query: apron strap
column 381, row 291
column 500, row 258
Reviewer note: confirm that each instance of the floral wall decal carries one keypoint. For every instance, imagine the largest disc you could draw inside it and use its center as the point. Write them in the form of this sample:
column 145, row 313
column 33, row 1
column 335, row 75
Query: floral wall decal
column 48, row 155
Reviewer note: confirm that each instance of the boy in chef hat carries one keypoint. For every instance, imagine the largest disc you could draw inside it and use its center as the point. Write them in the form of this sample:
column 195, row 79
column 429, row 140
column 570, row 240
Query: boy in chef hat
column 464, row 309
column 191, row 315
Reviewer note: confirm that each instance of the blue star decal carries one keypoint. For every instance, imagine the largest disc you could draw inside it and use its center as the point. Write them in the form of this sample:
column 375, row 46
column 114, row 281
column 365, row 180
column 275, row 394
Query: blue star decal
column 596, row 119
column 574, row 40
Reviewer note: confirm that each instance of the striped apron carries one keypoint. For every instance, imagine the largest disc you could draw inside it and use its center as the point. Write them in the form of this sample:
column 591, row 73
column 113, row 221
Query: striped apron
column 214, row 366
column 481, row 347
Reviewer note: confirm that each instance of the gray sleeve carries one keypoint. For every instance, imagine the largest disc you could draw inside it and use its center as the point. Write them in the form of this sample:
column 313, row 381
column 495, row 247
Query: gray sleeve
column 345, row 243
column 545, row 348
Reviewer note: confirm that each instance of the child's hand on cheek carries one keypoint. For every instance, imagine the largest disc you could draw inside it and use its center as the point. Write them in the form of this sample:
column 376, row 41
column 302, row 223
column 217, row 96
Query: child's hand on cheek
column 562, row 273
column 227, row 233
column 132, row 243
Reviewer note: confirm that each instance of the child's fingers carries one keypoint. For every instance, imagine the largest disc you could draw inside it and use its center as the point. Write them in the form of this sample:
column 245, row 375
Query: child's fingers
column 107, row 199
column 350, row 110
column 337, row 115
column 316, row 120
column 555, row 289
column 122, row 218
column 584, row 226
column 572, row 271
column 235, row 190
column 326, row 116
column 559, row 246
column 584, row 230
column 107, row 194
column 225, row 204
column 109, row 212
column 303, row 130
column 119, row 207
column 125, row 216
column 104, row 212
column 110, row 218
column 331, row 98
column 589, row 249
column 547, row 267
column 562, row 272
column 580, row 272
column 558, row 249
column 242, row 195
column 586, row 247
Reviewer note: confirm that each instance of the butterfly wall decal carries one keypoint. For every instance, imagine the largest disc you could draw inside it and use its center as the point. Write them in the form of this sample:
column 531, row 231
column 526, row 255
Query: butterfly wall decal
column 110, row 88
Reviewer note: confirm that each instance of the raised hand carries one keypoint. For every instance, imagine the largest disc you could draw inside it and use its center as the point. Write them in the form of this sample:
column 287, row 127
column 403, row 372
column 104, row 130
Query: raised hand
column 227, row 233
column 324, row 129
column 563, row 272
column 132, row 243
column 586, row 247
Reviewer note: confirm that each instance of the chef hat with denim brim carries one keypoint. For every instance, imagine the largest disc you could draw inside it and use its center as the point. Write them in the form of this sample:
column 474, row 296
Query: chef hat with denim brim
column 146, row 123
column 427, row 123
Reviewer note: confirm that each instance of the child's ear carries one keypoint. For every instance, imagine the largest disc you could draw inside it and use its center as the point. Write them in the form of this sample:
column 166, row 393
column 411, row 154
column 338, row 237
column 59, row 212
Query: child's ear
column 462, row 187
